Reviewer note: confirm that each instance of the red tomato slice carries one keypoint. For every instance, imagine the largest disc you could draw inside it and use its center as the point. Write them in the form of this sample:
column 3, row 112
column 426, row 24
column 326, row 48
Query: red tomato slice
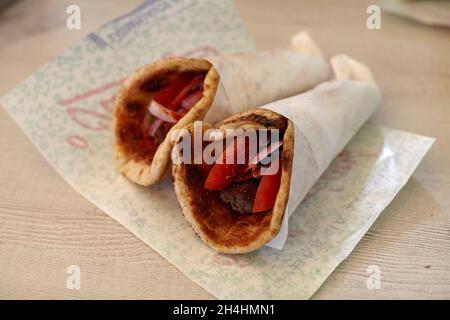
column 194, row 84
column 267, row 191
column 162, row 108
column 222, row 174
column 167, row 94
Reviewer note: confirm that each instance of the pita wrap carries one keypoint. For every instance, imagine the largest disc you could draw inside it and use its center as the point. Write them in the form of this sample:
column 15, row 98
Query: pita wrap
column 217, row 224
column 320, row 123
column 231, row 84
column 134, row 159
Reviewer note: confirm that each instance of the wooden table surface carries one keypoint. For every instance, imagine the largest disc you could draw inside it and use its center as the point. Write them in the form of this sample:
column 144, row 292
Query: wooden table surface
column 45, row 226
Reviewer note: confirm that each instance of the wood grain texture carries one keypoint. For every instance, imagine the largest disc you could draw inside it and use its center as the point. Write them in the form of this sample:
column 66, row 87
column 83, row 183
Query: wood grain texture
column 45, row 226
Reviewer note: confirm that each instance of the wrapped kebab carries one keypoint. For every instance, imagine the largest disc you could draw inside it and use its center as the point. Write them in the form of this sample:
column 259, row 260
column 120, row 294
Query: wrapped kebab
column 241, row 200
column 171, row 93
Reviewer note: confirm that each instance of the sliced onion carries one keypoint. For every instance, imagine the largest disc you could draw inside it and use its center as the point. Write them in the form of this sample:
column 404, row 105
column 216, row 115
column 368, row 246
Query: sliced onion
column 193, row 85
column 154, row 127
column 146, row 122
column 264, row 153
column 163, row 113
column 192, row 99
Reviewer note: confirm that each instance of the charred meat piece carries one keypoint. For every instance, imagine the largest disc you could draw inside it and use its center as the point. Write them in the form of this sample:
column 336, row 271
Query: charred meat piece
column 240, row 195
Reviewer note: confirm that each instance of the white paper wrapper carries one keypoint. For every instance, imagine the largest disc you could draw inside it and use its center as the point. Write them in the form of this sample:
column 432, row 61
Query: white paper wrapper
column 325, row 119
column 248, row 80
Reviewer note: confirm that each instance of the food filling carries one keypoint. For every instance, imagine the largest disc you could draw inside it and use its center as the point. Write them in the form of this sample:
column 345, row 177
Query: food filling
column 170, row 104
column 248, row 187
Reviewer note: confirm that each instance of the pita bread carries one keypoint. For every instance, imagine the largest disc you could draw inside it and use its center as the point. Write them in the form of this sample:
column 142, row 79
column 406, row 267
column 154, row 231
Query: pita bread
column 220, row 227
column 134, row 159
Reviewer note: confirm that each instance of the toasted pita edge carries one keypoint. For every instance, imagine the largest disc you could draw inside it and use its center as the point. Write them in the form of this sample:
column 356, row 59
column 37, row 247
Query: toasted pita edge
column 185, row 195
column 139, row 171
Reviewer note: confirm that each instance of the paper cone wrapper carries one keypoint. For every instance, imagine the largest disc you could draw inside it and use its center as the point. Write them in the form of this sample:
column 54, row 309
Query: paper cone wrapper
column 253, row 79
column 325, row 119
